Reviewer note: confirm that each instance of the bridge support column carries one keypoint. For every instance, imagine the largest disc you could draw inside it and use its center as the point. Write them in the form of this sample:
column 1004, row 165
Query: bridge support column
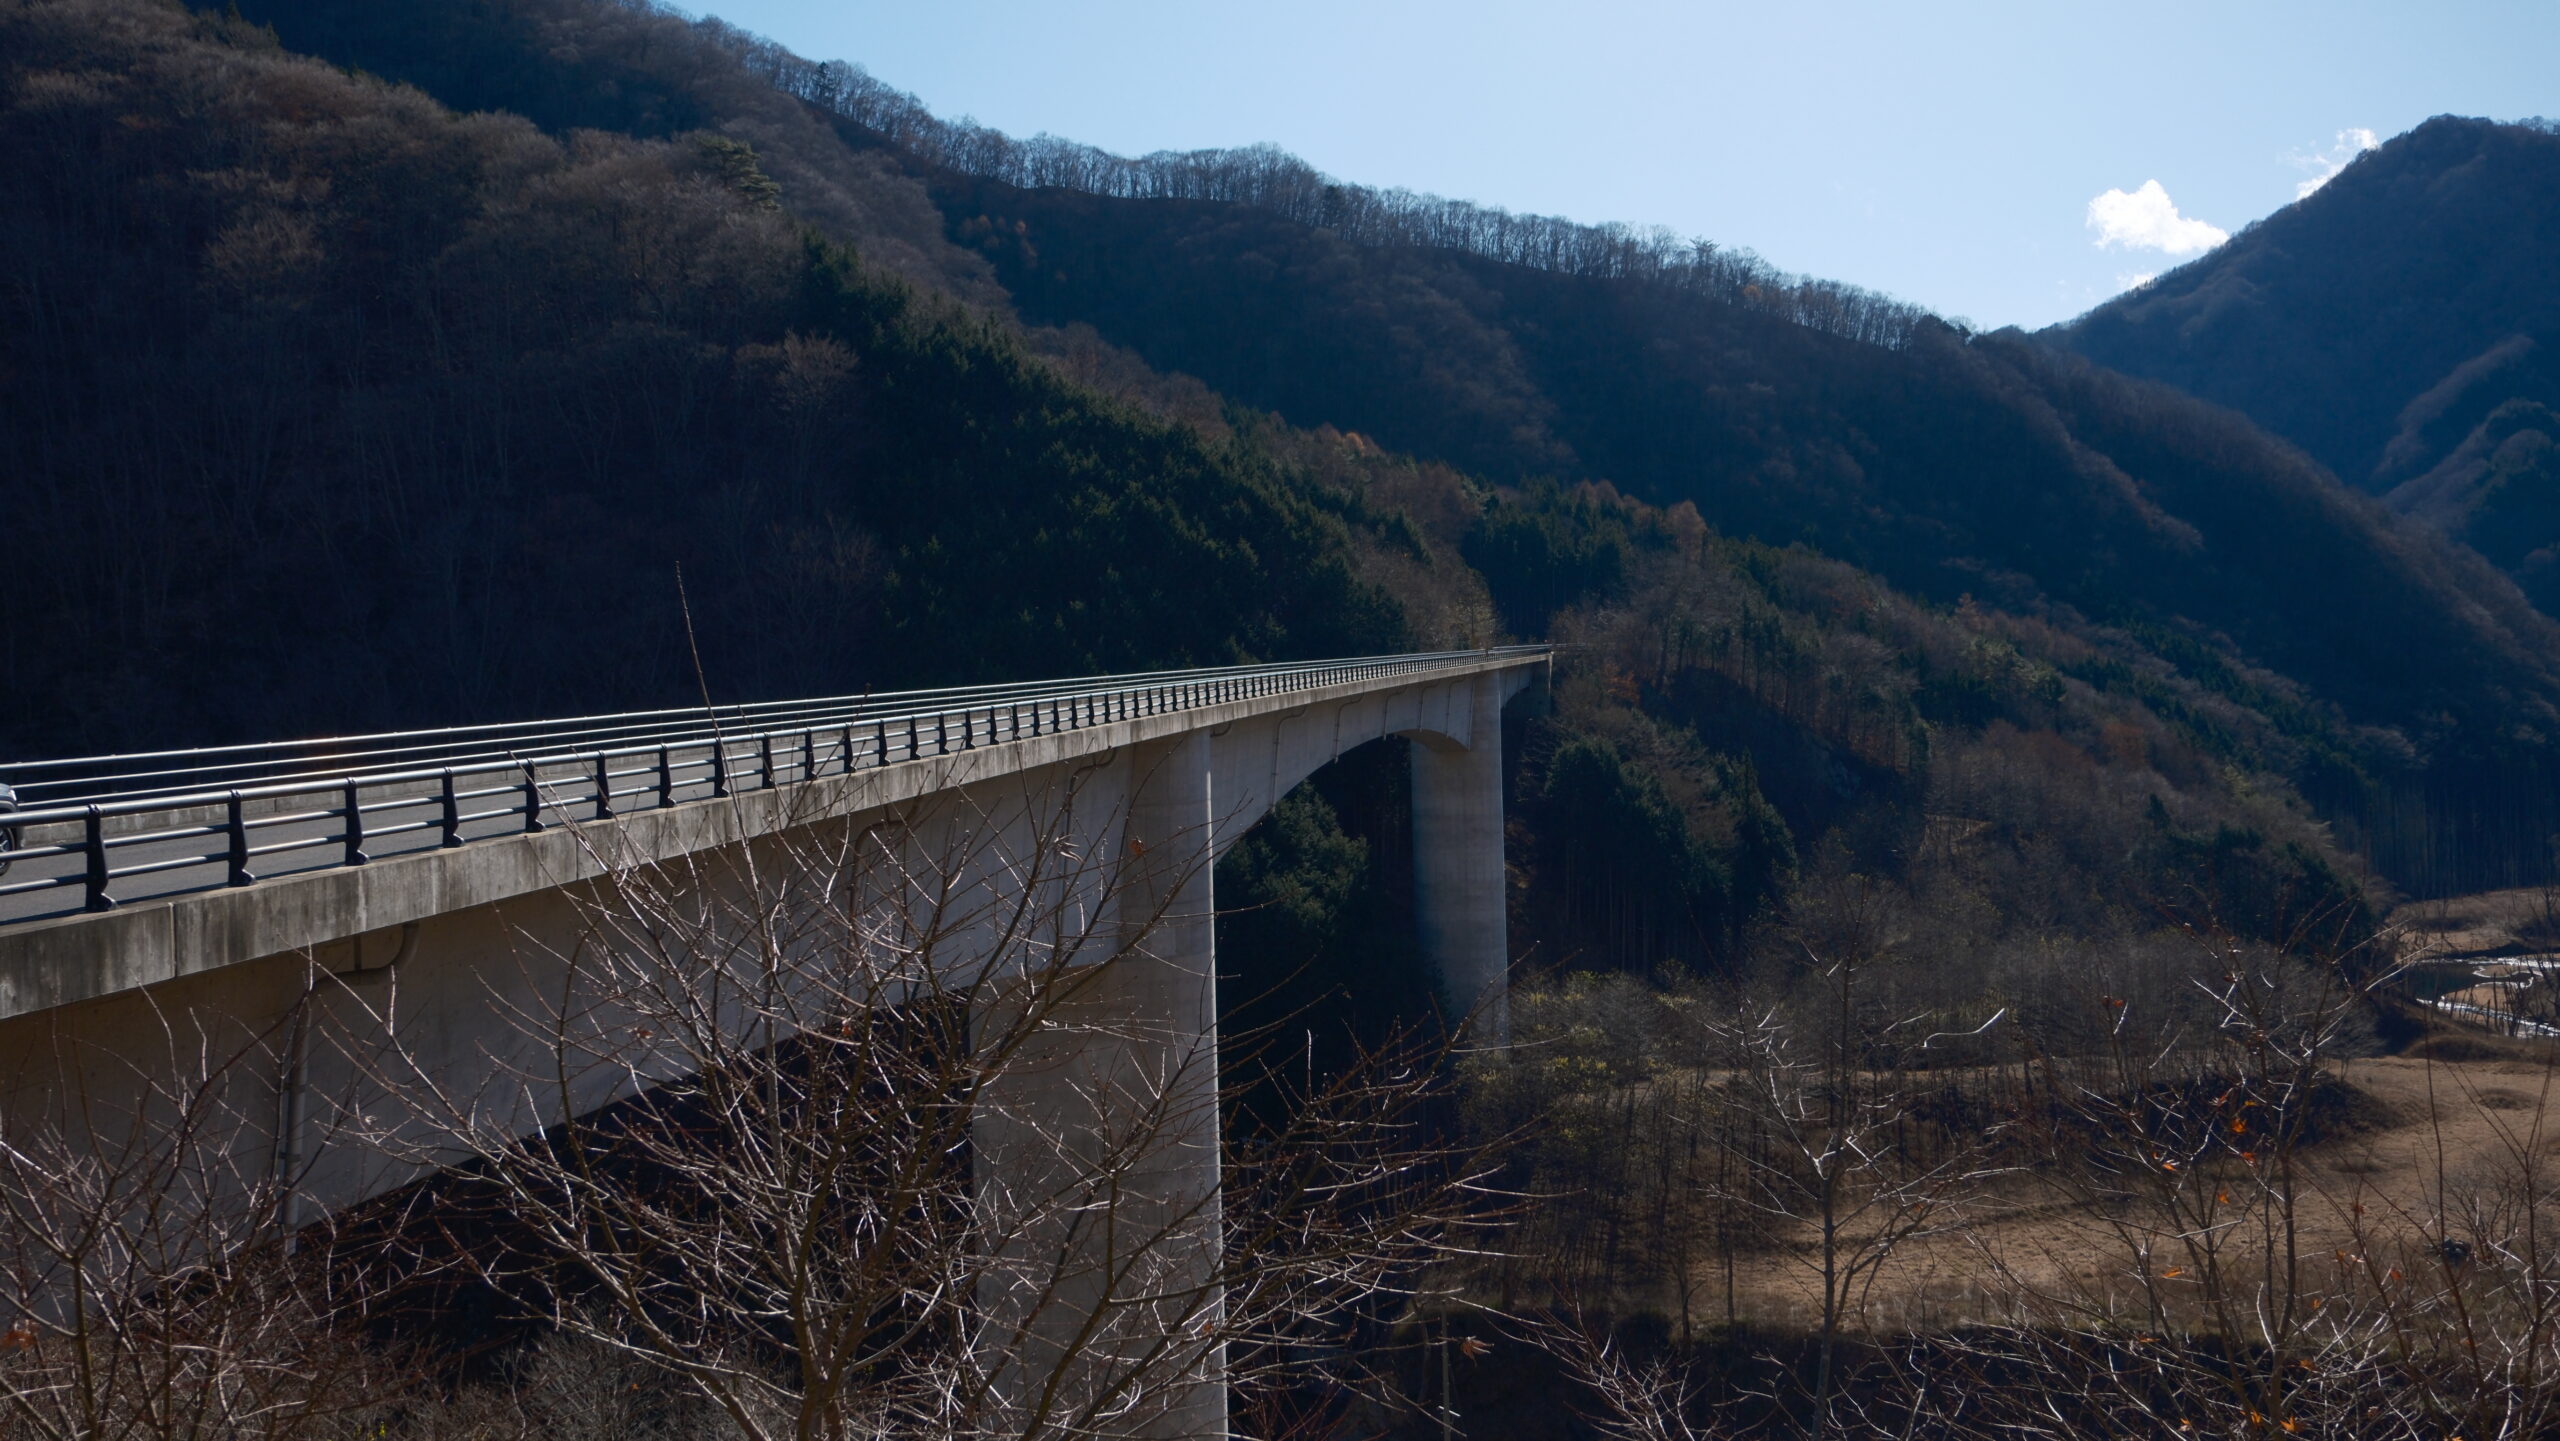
column 1459, row 894
column 1106, row 1142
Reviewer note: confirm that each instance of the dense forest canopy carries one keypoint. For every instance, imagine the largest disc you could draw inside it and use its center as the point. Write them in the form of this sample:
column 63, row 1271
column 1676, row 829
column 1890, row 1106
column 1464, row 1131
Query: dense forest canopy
column 328, row 407
column 636, row 65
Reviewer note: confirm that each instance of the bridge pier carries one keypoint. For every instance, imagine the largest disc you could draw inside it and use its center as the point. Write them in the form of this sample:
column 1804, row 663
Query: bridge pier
column 1458, row 884
column 1098, row 1156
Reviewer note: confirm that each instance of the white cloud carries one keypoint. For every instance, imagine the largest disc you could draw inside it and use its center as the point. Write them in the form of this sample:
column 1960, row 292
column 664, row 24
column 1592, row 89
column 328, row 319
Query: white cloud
column 2327, row 163
column 2147, row 219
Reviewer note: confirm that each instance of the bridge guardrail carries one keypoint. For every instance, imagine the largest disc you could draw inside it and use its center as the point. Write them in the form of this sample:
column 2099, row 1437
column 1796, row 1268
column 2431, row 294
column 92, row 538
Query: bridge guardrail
column 403, row 783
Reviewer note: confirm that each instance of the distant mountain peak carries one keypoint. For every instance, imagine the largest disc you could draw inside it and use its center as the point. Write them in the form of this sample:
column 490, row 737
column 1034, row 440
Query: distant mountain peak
column 2378, row 319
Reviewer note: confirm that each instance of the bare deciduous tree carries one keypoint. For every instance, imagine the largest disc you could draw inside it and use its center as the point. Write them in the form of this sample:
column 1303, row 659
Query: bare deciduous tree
column 153, row 1283
column 863, row 1133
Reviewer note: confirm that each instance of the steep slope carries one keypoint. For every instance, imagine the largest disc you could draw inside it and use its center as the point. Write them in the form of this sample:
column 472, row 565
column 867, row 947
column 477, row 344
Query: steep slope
column 2379, row 321
column 2499, row 491
column 323, row 406
column 1952, row 465
column 2421, row 684
column 637, row 70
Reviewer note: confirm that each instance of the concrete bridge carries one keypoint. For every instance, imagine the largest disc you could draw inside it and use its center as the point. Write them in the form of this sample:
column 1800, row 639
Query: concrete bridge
column 240, row 884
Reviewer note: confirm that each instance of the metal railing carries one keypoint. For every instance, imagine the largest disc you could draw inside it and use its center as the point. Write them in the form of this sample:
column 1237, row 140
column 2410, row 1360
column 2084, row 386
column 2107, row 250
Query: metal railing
column 342, row 796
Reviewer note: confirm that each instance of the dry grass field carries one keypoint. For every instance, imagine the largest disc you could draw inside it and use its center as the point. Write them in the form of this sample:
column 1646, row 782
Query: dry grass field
column 2492, row 923
column 2442, row 1133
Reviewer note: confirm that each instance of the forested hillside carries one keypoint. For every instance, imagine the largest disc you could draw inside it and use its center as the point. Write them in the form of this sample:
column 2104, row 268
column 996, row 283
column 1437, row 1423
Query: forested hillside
column 325, row 406
column 1951, row 465
column 2402, row 324
column 392, row 413
column 2377, row 321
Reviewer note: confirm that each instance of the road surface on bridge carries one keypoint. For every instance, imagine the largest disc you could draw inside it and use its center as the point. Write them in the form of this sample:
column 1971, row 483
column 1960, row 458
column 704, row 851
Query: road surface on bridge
column 165, row 826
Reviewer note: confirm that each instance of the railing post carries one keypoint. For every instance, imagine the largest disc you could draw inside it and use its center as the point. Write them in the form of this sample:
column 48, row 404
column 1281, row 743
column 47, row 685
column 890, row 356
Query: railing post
column 452, row 811
column 913, row 749
column 532, row 801
column 604, row 787
column 809, row 754
column 354, row 833
column 235, row 827
column 93, row 845
column 719, row 767
column 941, row 733
column 666, row 778
column 764, row 757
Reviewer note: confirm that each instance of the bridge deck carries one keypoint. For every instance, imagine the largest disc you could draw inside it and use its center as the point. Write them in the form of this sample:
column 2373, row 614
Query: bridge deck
column 134, row 868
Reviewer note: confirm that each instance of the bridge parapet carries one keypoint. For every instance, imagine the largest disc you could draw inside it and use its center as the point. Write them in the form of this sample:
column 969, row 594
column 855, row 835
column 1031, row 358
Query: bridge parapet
column 137, row 870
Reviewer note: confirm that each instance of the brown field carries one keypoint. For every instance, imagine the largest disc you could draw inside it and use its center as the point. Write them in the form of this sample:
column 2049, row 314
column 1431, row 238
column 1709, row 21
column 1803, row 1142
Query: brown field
column 2491, row 923
column 2449, row 1128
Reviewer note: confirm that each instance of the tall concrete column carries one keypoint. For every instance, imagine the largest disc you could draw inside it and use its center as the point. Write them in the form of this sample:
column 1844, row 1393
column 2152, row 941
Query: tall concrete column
column 1459, row 895
column 1107, row 1138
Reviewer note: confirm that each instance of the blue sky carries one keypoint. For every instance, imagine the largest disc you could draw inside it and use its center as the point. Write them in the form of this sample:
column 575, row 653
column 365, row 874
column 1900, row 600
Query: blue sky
column 1947, row 153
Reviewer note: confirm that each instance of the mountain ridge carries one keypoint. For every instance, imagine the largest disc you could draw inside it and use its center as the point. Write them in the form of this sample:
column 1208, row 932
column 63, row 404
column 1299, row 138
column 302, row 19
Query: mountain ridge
column 1469, row 445
column 2362, row 321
